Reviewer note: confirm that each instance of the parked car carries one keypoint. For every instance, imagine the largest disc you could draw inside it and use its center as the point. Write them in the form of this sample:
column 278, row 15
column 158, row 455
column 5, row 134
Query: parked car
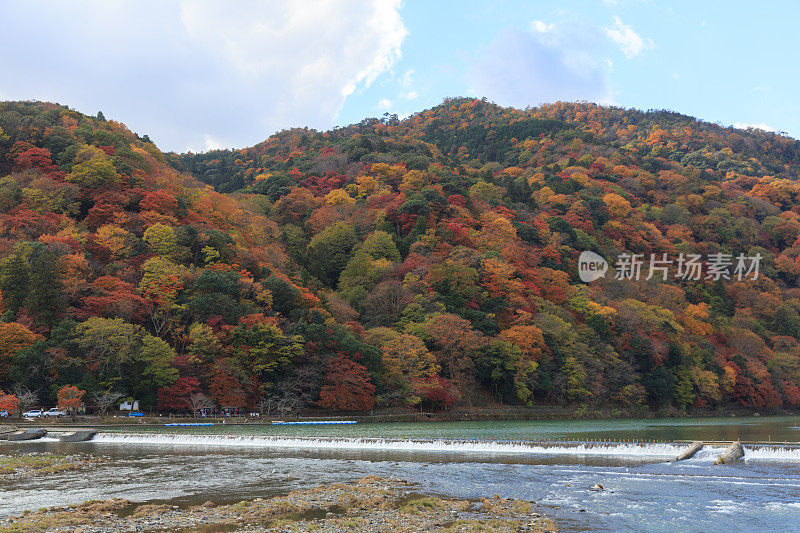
column 55, row 411
column 4, row 413
column 35, row 413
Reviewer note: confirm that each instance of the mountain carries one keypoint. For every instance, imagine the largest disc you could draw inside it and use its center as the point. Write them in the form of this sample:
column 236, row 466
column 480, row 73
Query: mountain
column 432, row 260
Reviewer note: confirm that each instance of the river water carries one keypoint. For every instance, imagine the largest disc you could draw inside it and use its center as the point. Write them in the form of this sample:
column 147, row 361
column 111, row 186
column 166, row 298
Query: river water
column 554, row 463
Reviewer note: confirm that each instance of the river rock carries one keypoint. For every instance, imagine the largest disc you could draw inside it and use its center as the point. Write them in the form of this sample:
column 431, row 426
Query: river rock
column 77, row 436
column 732, row 453
column 689, row 453
column 26, row 434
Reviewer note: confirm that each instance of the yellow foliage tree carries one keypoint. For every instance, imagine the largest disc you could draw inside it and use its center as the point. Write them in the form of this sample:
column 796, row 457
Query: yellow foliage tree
column 406, row 358
column 618, row 206
column 338, row 197
column 414, row 180
column 695, row 319
column 497, row 232
column 116, row 240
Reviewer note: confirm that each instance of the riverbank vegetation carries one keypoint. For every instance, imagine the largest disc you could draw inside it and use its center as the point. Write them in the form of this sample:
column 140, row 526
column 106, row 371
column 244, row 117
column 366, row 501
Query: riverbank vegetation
column 36, row 464
column 425, row 263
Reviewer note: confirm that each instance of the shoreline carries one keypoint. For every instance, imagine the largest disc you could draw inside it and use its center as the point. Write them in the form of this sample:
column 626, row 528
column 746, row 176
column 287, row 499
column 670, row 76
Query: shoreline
column 388, row 416
column 369, row 504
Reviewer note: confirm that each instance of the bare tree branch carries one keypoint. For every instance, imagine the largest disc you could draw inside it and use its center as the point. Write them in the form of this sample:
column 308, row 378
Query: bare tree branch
column 105, row 399
column 199, row 401
column 27, row 398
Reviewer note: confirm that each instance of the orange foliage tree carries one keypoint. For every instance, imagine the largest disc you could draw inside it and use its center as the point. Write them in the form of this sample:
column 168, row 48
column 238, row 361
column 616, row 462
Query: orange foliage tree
column 8, row 402
column 13, row 337
column 70, row 398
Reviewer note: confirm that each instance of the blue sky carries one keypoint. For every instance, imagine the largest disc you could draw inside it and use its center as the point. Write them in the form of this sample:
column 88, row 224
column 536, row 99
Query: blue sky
column 728, row 62
column 200, row 74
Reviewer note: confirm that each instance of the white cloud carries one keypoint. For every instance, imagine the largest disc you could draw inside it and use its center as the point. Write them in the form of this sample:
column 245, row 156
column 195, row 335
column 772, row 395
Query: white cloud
column 385, row 104
column 190, row 71
column 545, row 64
column 212, row 143
column 628, row 40
column 542, row 27
column 408, row 78
column 406, row 82
column 546, row 33
column 748, row 125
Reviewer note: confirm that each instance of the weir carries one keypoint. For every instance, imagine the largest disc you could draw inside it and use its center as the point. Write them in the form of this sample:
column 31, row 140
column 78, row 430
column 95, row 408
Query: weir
column 667, row 450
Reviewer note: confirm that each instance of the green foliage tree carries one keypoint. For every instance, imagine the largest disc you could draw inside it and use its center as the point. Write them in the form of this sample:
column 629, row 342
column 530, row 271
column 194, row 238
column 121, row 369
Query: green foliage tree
column 161, row 240
column 30, row 278
column 329, row 251
column 157, row 357
column 266, row 349
column 494, row 368
column 92, row 169
column 380, row 245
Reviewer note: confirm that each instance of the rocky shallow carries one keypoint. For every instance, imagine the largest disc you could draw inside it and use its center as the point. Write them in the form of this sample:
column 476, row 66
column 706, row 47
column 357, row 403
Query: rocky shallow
column 370, row 504
column 36, row 464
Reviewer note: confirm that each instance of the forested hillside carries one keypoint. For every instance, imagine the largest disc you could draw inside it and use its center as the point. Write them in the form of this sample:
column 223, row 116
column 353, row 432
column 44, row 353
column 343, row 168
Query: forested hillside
column 430, row 261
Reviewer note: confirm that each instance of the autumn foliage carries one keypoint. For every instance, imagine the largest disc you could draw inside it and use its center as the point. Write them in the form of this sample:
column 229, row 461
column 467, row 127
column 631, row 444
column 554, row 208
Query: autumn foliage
column 427, row 263
column 70, row 398
column 346, row 386
column 8, row 402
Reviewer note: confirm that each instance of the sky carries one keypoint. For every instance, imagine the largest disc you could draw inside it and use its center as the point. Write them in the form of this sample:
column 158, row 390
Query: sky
column 202, row 74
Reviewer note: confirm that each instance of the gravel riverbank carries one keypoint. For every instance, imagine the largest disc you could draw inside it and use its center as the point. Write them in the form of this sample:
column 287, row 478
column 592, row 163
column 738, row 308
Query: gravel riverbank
column 39, row 464
column 370, row 504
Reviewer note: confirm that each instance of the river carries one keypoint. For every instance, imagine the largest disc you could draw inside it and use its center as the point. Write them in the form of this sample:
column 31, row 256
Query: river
column 554, row 463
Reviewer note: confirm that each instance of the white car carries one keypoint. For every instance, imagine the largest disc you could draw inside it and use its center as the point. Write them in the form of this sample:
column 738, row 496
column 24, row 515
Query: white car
column 36, row 413
column 55, row 411
column 4, row 413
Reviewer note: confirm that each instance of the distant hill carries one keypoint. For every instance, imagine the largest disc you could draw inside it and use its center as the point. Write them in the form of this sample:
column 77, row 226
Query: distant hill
column 432, row 260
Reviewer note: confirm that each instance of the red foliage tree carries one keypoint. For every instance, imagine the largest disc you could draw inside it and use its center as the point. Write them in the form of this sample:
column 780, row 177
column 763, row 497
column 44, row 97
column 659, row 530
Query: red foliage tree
column 13, row 337
column 791, row 393
column 347, row 386
column 160, row 201
column 436, row 390
column 177, row 396
column 26, row 156
column 457, row 199
column 8, row 402
column 113, row 297
column 226, row 390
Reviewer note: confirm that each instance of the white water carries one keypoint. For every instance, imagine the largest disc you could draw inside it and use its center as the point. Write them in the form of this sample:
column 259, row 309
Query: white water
column 657, row 450
column 646, row 490
column 772, row 453
column 447, row 446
